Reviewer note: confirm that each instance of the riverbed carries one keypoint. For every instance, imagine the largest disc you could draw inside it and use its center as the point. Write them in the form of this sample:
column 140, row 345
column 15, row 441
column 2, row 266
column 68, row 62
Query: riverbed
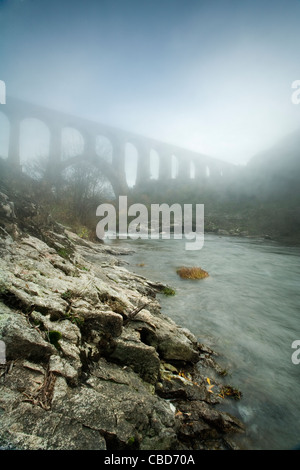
column 248, row 311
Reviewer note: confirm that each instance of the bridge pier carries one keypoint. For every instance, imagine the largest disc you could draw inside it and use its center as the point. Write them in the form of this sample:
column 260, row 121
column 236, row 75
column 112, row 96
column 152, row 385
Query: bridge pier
column 214, row 172
column 183, row 168
column 14, row 145
column 89, row 146
column 165, row 167
column 55, row 144
column 119, row 183
column 143, row 166
column 200, row 171
column 53, row 169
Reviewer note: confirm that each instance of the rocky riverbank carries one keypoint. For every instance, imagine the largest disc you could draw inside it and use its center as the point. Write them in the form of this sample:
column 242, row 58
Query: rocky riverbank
column 91, row 360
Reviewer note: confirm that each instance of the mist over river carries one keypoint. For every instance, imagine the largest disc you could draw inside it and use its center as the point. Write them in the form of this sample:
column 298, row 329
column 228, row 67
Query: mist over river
column 248, row 311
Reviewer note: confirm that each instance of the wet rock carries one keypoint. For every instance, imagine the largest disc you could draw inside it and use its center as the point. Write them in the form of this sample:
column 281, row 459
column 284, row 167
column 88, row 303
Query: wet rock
column 176, row 386
column 219, row 421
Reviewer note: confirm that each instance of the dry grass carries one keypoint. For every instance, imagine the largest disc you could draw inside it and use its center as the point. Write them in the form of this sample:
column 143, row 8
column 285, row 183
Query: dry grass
column 192, row 273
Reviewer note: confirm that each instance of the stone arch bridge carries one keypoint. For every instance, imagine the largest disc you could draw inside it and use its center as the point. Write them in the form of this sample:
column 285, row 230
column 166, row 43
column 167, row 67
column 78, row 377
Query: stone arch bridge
column 189, row 164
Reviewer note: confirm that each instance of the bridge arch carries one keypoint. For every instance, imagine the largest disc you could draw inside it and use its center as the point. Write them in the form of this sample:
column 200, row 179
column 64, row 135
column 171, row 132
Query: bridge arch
column 104, row 148
column 34, row 141
column 72, row 142
column 131, row 163
column 106, row 169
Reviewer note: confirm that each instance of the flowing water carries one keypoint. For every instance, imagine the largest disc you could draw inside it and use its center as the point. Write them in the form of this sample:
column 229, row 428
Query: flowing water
column 248, row 310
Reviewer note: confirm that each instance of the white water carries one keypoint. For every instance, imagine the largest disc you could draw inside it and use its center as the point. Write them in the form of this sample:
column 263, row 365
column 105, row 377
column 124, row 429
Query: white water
column 248, row 310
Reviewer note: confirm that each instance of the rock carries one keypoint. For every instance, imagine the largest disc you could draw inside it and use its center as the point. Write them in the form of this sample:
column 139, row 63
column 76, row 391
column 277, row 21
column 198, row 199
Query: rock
column 104, row 321
column 32, row 428
column 173, row 343
column 26, row 296
column 22, row 340
column 61, row 366
column 68, row 330
column 143, row 359
column 219, row 421
column 223, row 232
column 69, row 365
column 121, row 409
column 172, row 385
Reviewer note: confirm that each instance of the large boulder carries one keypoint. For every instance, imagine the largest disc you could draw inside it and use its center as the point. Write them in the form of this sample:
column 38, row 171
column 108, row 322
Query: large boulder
column 130, row 351
column 172, row 342
column 21, row 338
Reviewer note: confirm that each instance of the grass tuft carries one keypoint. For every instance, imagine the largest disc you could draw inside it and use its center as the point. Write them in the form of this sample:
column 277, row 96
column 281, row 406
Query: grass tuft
column 192, row 273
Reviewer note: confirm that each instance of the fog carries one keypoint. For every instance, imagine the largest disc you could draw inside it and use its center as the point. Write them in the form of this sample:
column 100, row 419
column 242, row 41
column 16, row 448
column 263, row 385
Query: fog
column 211, row 76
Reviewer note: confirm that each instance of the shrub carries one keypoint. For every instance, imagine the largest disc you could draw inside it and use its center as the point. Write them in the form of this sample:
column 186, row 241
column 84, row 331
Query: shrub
column 168, row 291
column 192, row 273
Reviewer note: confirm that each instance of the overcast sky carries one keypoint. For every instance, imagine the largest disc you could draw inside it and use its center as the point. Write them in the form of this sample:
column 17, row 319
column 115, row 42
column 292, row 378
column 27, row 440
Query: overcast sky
column 213, row 76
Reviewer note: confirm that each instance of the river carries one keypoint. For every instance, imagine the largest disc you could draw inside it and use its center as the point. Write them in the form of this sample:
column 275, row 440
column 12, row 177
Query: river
column 248, row 311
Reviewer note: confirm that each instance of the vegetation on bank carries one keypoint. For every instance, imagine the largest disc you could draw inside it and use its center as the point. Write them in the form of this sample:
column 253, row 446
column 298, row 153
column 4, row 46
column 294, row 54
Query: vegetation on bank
column 168, row 291
column 70, row 199
column 253, row 202
column 192, row 273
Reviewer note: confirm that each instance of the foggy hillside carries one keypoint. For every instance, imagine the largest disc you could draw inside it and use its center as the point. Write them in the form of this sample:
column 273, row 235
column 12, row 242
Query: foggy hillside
column 275, row 172
column 282, row 159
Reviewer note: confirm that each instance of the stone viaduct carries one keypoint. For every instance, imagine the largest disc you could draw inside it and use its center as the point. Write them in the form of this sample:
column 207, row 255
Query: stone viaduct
column 204, row 167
